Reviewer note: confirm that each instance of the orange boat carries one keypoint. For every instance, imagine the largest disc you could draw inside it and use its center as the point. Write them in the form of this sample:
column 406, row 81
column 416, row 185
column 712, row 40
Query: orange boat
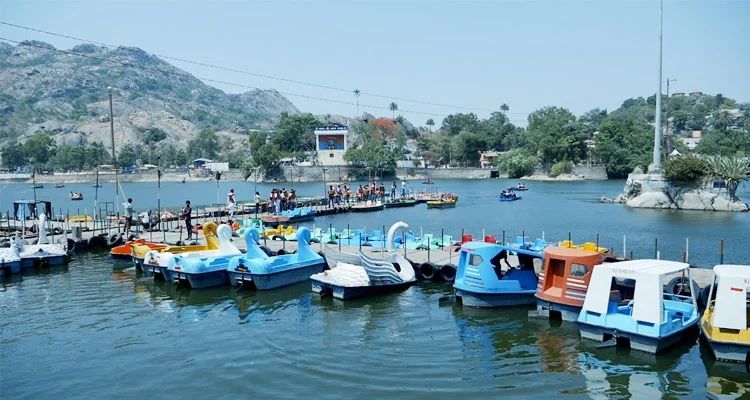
column 124, row 252
column 564, row 281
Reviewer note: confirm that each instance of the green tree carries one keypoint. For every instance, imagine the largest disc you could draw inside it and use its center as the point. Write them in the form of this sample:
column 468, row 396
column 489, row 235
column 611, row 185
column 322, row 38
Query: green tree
column 153, row 135
column 504, row 108
column 13, row 156
column 205, row 145
column 430, row 123
column 517, row 163
column 393, row 107
column 467, row 145
column 128, row 155
column 374, row 156
column 724, row 143
column 39, row 148
column 624, row 143
column 721, row 120
column 256, row 140
column 267, row 158
column 553, row 134
column 295, row 133
column 453, row 124
column 593, row 118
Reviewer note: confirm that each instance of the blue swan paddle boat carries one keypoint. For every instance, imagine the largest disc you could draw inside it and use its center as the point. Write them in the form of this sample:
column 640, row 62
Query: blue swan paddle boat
column 482, row 282
column 652, row 320
column 509, row 197
column 202, row 271
column 272, row 272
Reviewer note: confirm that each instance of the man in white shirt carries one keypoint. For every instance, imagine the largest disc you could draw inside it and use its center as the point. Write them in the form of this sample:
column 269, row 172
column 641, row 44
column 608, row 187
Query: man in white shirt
column 231, row 203
column 403, row 188
column 128, row 205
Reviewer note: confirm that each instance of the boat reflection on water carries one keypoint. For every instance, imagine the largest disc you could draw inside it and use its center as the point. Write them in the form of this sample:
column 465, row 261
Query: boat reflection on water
column 614, row 372
column 256, row 306
column 727, row 380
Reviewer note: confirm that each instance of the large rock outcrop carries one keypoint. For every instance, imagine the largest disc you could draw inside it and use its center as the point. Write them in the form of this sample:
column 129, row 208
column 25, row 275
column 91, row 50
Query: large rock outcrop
column 66, row 93
column 652, row 191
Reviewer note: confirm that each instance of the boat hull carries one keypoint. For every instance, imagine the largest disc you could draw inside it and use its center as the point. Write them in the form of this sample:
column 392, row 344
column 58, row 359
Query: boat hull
column 52, row 261
column 488, row 300
column 138, row 264
column 201, row 280
column 728, row 352
column 123, row 258
column 551, row 309
column 284, row 278
column 239, row 278
column 643, row 343
column 9, row 268
column 350, row 292
column 400, row 204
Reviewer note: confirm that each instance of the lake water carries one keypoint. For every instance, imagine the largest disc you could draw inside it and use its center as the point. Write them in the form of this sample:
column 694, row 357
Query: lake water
column 87, row 332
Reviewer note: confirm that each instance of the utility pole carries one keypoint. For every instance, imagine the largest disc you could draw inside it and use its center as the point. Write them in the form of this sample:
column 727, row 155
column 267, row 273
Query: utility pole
column 657, row 127
column 114, row 157
column 666, row 133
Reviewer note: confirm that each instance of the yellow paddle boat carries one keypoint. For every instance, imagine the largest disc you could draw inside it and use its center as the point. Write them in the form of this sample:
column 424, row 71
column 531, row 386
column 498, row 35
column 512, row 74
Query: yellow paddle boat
column 139, row 250
column 726, row 322
column 588, row 246
column 279, row 232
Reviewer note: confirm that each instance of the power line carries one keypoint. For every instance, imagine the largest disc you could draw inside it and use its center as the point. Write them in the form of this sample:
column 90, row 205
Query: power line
column 257, row 74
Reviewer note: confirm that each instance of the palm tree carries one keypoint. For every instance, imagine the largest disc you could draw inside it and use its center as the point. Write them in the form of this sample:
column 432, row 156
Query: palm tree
column 504, row 108
column 722, row 120
column 356, row 94
column 719, row 100
column 430, row 123
column 731, row 170
column 393, row 107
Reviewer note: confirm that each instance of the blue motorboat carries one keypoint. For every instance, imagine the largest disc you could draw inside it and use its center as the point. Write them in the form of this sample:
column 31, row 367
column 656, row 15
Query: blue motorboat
column 273, row 272
column 493, row 275
column 644, row 318
column 205, row 271
column 299, row 214
column 509, row 197
column 10, row 259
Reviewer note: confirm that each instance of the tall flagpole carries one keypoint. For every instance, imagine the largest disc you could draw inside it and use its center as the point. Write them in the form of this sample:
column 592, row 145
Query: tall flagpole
column 114, row 159
column 657, row 128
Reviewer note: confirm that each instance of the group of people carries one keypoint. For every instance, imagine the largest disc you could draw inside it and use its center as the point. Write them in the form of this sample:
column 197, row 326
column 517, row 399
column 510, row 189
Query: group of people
column 149, row 222
column 279, row 200
column 371, row 191
column 508, row 194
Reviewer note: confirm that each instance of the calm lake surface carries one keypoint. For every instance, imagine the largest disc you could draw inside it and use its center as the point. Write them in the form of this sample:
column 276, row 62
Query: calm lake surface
column 86, row 331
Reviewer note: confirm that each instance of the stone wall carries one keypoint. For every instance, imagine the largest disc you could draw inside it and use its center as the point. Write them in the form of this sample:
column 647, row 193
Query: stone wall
column 590, row 173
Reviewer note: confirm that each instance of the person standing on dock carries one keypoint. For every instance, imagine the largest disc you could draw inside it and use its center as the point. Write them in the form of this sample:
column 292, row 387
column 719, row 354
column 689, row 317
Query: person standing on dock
column 284, row 199
column 403, row 188
column 231, row 204
column 292, row 200
column 187, row 215
column 128, row 216
column 257, row 203
column 393, row 191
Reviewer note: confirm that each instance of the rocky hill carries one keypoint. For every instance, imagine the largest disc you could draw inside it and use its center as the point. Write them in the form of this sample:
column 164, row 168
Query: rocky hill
column 42, row 88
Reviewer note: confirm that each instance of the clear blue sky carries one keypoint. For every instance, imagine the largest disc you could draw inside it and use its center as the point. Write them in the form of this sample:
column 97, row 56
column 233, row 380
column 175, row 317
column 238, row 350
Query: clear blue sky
column 528, row 54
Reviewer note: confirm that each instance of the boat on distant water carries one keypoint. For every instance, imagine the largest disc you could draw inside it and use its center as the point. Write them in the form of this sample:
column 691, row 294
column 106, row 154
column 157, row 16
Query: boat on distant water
column 483, row 281
column 357, row 275
column 59, row 185
column 428, row 182
column 726, row 322
column 443, row 203
column 368, row 206
column 400, row 203
column 509, row 197
column 520, row 187
column 564, row 281
column 75, row 196
column 37, row 186
column 643, row 317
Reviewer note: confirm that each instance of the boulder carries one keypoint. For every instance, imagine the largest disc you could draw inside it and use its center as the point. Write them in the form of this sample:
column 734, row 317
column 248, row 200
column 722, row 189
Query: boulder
column 651, row 200
column 722, row 203
column 695, row 200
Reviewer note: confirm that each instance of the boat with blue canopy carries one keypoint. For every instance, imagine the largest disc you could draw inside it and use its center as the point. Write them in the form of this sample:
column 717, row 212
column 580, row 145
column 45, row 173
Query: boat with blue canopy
column 483, row 281
column 647, row 318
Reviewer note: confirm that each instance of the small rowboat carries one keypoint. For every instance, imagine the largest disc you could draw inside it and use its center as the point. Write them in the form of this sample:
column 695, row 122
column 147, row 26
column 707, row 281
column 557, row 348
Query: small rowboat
column 442, row 203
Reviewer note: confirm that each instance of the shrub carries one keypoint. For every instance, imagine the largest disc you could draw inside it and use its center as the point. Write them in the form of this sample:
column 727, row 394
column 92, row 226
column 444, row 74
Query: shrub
column 561, row 167
column 685, row 171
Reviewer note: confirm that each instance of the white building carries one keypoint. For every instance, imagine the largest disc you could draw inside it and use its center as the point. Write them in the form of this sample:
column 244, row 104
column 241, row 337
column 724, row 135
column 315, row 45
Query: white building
column 332, row 143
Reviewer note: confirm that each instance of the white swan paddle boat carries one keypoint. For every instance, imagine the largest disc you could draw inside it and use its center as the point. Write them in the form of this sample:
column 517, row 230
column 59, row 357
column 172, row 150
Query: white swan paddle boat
column 43, row 253
column 10, row 259
column 360, row 275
